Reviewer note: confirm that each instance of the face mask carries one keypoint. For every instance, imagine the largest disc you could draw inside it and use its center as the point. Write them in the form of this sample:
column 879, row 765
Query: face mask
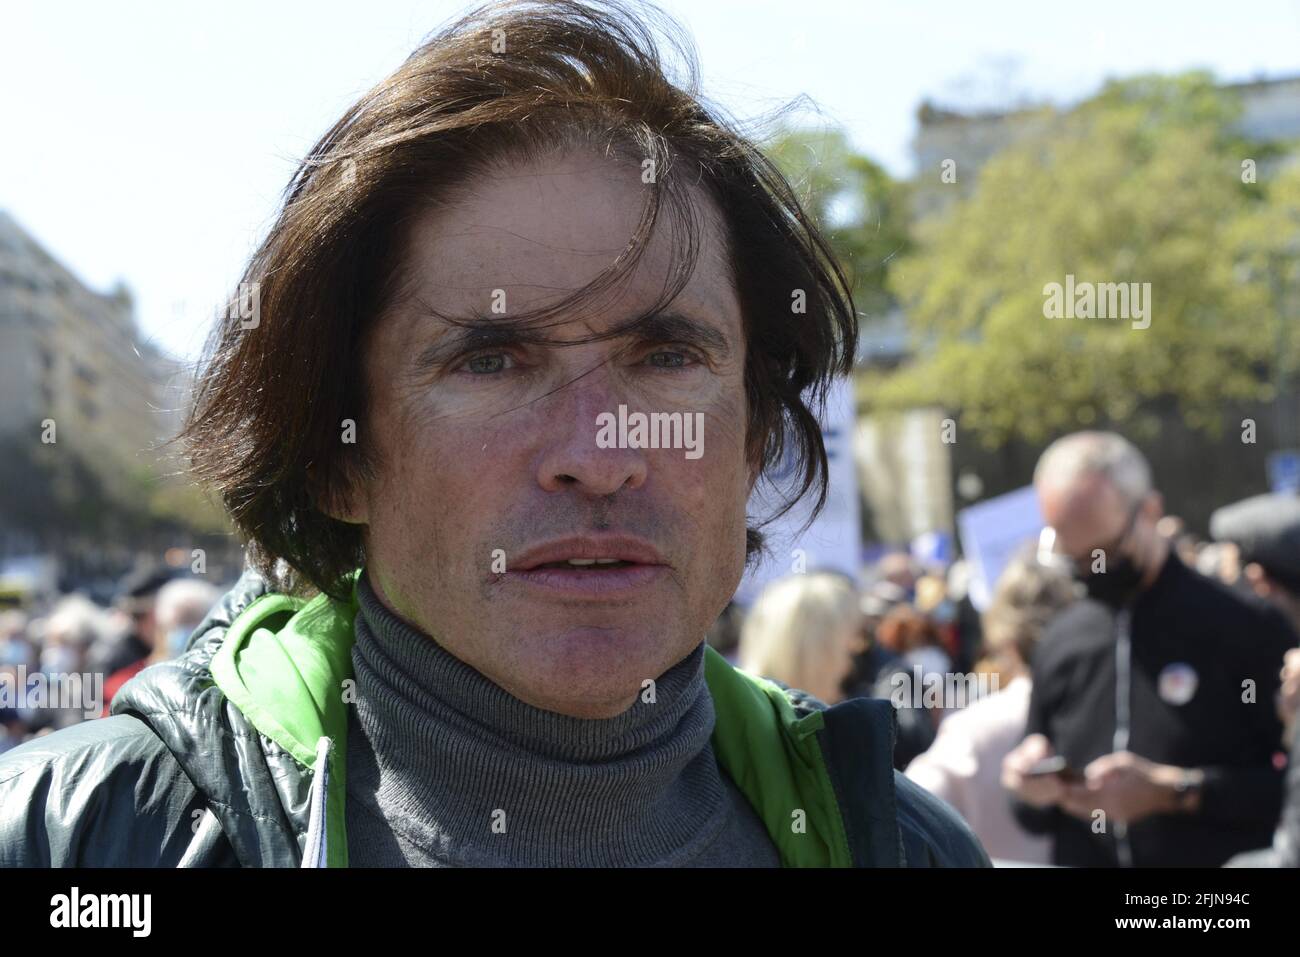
column 1117, row 585
column 176, row 639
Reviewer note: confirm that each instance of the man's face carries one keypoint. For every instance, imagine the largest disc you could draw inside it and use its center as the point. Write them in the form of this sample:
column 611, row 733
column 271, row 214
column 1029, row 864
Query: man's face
column 489, row 452
column 1089, row 514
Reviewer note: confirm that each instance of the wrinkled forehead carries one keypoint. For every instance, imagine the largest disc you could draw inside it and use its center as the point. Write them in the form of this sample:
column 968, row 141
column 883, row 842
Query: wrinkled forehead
column 526, row 234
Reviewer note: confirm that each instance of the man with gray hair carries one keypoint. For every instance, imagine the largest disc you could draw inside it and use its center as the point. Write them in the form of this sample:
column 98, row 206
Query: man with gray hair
column 183, row 603
column 1151, row 733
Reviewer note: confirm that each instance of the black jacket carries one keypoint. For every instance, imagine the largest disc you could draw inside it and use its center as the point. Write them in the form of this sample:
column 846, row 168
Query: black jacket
column 1190, row 638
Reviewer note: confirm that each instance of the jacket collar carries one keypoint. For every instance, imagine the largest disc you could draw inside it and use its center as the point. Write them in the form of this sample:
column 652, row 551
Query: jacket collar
column 286, row 664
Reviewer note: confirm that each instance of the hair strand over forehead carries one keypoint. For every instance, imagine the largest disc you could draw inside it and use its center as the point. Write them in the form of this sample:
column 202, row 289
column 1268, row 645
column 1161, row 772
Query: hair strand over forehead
column 507, row 81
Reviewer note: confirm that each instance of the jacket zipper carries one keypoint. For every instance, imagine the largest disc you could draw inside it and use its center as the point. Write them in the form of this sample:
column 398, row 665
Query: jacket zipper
column 1123, row 671
column 315, row 852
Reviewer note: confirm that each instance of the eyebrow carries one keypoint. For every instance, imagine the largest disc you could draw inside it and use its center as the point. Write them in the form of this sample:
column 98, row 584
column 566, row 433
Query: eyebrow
column 478, row 332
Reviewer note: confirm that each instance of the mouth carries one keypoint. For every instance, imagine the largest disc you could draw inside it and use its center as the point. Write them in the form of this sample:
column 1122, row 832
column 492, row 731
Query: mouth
column 590, row 567
column 594, row 564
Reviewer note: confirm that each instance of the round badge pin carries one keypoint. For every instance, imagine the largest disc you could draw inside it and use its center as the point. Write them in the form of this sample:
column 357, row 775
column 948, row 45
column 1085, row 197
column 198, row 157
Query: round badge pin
column 1177, row 683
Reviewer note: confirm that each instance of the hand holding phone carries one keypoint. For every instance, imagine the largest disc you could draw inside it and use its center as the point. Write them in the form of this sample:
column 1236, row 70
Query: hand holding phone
column 1055, row 765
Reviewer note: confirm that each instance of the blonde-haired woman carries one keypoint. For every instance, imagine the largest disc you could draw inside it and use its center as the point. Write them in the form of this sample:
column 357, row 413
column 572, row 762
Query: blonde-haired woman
column 803, row 631
column 964, row 765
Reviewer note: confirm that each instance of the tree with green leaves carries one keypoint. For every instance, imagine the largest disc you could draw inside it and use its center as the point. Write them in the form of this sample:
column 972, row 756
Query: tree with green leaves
column 860, row 207
column 1145, row 183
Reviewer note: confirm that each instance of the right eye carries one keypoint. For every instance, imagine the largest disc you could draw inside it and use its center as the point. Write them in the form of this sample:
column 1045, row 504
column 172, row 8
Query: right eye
column 487, row 363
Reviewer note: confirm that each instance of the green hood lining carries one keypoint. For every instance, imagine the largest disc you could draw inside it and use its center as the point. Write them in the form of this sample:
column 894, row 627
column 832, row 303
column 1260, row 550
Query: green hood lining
column 284, row 663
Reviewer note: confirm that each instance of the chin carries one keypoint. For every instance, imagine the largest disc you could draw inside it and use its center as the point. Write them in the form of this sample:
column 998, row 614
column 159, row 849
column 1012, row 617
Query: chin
column 585, row 668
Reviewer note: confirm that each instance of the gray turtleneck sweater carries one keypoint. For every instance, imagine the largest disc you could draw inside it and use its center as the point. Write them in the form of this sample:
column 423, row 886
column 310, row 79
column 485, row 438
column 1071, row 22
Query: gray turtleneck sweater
column 446, row 769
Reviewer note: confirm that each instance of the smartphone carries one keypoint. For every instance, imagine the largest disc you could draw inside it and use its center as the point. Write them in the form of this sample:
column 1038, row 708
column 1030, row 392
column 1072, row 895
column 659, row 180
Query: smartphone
column 1054, row 765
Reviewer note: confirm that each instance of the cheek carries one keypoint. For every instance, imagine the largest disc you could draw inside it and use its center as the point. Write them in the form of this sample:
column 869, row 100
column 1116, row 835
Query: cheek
column 710, row 494
column 437, row 475
column 714, row 487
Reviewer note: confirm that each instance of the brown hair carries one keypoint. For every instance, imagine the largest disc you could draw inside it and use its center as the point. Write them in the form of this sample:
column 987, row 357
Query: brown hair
column 905, row 629
column 506, row 80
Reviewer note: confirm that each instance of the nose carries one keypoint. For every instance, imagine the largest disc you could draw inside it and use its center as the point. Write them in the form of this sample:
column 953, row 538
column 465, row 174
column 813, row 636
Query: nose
column 571, row 457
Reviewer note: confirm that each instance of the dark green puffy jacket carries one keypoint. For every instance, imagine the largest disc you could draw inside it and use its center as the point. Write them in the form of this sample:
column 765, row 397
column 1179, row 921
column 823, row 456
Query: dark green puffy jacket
column 233, row 755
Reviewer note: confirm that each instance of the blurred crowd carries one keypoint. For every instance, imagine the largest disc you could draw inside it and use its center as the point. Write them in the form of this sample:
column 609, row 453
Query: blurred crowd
column 1127, row 695
column 1139, row 714
column 151, row 617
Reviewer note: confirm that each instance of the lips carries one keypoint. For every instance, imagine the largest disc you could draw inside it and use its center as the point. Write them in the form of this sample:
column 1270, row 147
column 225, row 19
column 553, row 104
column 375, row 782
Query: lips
column 590, row 551
column 590, row 567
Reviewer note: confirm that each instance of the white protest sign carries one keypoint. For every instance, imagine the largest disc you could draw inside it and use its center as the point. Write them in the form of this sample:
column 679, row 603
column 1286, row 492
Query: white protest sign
column 991, row 534
column 833, row 542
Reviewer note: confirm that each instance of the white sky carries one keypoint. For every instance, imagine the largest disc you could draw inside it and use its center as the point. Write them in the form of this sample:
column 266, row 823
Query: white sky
column 149, row 141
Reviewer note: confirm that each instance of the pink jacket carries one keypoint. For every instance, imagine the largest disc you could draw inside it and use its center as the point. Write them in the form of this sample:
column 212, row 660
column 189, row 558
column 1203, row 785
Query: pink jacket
column 964, row 767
